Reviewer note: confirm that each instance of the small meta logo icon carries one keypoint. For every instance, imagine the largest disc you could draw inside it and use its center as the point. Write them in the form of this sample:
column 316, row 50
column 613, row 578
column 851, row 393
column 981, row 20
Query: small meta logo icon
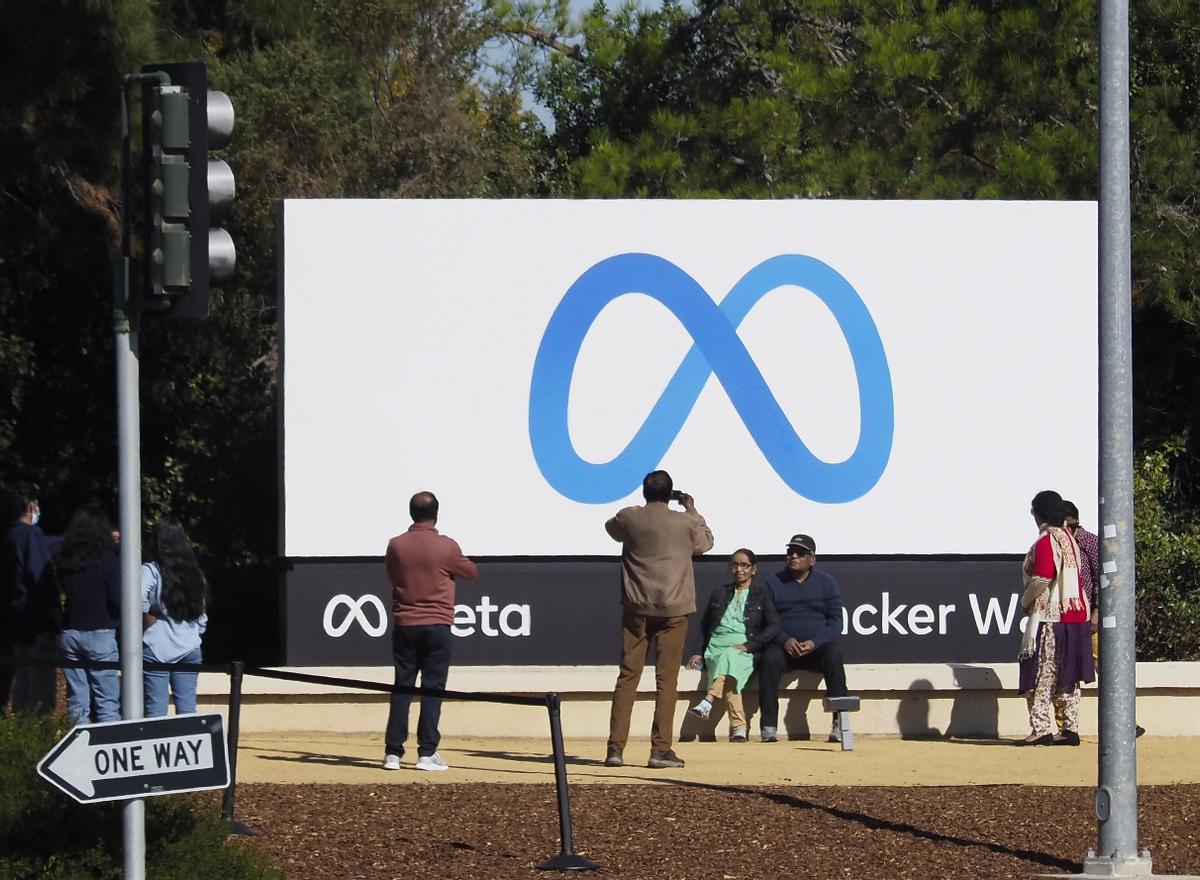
column 512, row 620
column 355, row 613
column 718, row 350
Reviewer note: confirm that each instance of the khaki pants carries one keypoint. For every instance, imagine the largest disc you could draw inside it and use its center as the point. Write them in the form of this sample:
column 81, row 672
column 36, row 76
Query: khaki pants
column 723, row 687
column 669, row 634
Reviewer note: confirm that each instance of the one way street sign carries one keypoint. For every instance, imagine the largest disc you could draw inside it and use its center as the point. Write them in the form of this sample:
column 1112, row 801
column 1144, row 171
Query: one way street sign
column 119, row 760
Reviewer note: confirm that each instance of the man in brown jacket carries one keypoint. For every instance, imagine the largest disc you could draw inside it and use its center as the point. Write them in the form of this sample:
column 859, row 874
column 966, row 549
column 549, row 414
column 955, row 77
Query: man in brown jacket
column 658, row 592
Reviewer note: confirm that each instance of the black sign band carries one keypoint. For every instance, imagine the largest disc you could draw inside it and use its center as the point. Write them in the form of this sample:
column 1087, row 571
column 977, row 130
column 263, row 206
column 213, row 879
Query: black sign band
column 558, row 612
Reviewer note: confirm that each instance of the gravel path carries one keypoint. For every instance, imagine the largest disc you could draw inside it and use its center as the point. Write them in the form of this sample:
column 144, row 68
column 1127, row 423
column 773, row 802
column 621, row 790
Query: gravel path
column 698, row 831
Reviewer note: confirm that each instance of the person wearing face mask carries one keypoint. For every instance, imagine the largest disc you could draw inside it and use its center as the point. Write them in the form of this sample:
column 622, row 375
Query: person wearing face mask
column 29, row 596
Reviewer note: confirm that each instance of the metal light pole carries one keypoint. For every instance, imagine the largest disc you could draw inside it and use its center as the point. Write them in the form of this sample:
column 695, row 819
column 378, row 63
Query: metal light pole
column 1116, row 797
column 129, row 491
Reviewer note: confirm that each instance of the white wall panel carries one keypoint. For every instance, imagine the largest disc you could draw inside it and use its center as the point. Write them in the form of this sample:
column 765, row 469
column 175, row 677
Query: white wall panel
column 411, row 330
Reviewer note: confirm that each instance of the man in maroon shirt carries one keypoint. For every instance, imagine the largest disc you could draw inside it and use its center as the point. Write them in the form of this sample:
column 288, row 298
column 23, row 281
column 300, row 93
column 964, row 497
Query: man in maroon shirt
column 421, row 566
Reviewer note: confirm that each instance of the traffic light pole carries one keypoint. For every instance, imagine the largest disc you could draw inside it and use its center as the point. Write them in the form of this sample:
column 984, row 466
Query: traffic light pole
column 184, row 189
column 129, row 480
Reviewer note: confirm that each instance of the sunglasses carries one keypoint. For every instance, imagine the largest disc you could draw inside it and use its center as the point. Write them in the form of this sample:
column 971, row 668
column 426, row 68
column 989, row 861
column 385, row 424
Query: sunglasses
column 796, row 551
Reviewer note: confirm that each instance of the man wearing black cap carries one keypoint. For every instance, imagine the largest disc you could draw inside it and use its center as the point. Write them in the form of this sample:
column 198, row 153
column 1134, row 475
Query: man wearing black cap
column 810, row 617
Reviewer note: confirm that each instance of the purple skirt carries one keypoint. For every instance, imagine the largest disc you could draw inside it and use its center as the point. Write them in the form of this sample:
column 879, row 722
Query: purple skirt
column 1072, row 657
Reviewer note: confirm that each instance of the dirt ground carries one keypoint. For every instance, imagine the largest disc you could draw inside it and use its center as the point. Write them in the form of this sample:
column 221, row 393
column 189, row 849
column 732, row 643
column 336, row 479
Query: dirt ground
column 889, row 809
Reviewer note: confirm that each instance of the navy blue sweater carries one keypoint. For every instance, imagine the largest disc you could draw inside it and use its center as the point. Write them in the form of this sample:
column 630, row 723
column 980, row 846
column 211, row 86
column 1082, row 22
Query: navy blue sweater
column 811, row 609
column 28, row 588
column 94, row 594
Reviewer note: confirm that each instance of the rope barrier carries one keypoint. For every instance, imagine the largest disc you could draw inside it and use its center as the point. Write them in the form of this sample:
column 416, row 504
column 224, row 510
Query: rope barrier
column 283, row 675
column 59, row 663
column 463, row 696
column 566, row 860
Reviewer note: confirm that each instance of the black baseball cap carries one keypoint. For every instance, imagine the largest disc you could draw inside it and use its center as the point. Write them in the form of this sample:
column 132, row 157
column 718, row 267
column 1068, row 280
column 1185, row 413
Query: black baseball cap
column 802, row 541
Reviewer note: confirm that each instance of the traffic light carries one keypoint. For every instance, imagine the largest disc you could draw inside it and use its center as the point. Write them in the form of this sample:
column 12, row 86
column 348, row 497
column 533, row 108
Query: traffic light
column 185, row 191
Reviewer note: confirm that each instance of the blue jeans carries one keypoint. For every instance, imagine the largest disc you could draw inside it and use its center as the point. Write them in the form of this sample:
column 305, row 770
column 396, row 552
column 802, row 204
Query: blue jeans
column 92, row 694
column 182, row 684
column 424, row 649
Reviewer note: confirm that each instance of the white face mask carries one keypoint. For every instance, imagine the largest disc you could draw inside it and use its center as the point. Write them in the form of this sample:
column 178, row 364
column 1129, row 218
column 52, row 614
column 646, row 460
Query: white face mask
column 37, row 514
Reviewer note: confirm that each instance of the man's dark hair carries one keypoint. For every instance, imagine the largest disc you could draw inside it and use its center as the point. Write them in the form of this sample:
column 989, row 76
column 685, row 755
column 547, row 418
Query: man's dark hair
column 657, row 486
column 17, row 499
column 423, row 507
column 1047, row 507
column 1069, row 509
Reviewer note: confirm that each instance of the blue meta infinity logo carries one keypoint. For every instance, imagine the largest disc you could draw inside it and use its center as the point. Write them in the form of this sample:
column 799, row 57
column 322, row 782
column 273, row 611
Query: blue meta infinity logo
column 716, row 350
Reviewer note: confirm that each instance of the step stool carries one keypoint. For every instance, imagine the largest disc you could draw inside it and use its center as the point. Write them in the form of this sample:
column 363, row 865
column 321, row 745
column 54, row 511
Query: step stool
column 843, row 706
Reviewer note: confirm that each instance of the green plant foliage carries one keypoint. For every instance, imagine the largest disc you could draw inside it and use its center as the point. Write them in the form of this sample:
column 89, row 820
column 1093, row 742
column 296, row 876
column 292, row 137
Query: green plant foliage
column 839, row 98
column 406, row 98
column 46, row 835
column 354, row 99
column 1168, row 560
column 921, row 100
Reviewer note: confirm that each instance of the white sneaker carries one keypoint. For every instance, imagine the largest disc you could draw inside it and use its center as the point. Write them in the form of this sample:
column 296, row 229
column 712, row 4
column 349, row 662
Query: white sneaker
column 432, row 763
column 391, row 762
column 835, row 732
column 702, row 709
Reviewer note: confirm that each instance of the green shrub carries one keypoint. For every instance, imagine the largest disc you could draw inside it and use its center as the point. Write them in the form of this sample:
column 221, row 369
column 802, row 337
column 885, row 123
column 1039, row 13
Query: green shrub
column 46, row 835
column 1168, row 560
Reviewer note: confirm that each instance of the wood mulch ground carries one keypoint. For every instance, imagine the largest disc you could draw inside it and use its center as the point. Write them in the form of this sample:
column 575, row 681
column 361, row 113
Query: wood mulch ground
column 695, row 831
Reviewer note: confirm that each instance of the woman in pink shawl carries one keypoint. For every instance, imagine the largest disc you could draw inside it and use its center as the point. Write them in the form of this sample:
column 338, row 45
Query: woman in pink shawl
column 1056, row 652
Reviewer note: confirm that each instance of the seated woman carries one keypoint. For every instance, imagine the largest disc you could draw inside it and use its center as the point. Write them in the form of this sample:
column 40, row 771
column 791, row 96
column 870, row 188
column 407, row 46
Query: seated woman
column 739, row 622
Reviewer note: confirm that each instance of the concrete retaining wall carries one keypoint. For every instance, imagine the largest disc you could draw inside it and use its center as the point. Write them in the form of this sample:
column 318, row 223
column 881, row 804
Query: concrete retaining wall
column 977, row 700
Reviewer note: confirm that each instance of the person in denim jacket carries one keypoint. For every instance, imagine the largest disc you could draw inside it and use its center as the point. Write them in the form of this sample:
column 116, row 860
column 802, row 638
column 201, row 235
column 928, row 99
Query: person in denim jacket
column 174, row 594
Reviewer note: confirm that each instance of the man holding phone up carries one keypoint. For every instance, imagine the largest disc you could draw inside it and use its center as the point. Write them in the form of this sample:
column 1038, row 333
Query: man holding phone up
column 658, row 592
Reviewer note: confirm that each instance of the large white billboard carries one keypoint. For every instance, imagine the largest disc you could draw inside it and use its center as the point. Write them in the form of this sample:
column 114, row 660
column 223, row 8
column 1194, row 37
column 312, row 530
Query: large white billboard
column 889, row 377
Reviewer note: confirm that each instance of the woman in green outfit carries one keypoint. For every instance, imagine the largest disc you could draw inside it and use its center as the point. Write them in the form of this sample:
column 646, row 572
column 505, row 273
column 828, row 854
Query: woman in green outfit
column 738, row 623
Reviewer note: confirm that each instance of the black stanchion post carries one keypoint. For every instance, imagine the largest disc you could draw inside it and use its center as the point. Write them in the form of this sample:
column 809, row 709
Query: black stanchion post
column 236, row 668
column 567, row 859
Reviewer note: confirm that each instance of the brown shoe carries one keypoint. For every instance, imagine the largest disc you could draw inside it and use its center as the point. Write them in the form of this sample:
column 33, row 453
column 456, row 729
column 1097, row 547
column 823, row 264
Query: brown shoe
column 614, row 758
column 667, row 760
